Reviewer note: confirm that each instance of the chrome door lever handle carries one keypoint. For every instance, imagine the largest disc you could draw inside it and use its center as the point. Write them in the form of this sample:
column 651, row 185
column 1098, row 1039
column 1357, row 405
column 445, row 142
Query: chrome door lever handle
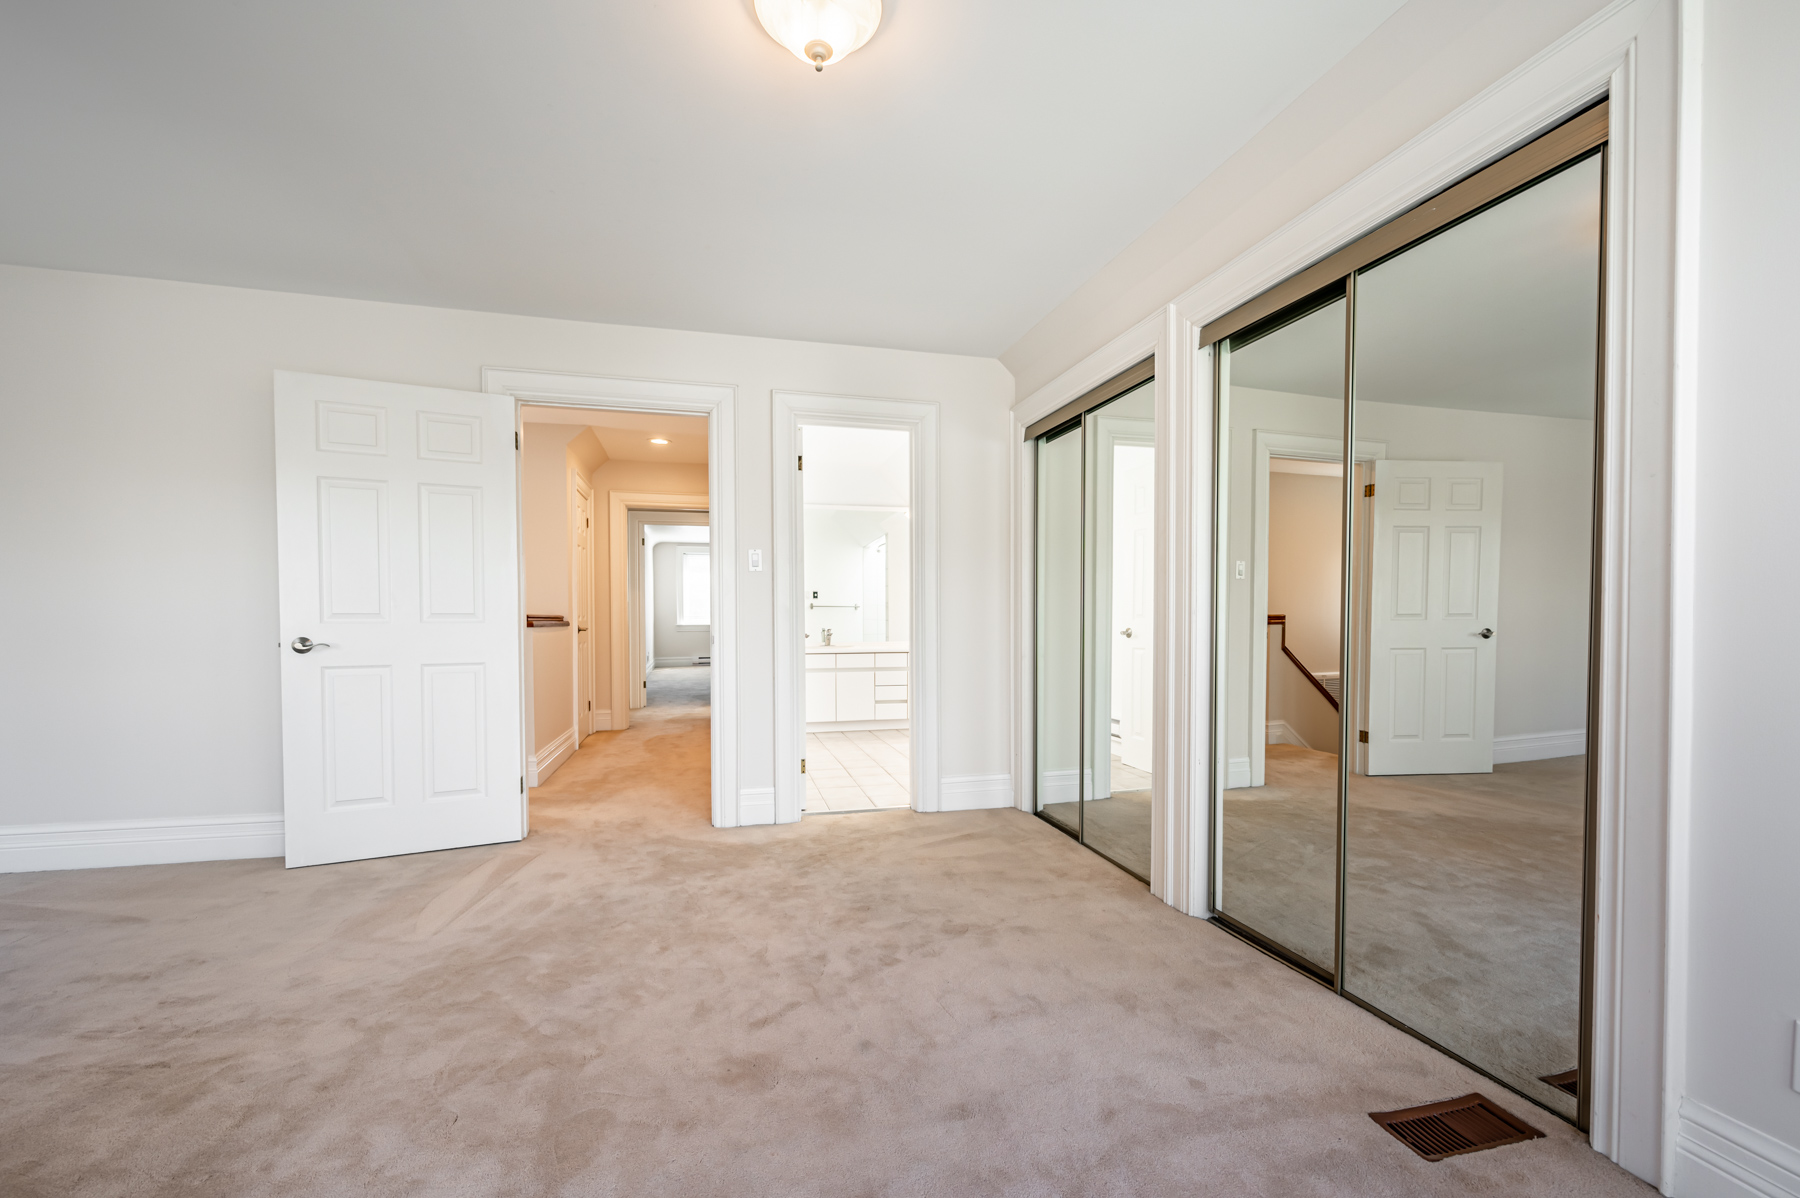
column 305, row 644
column 1485, row 633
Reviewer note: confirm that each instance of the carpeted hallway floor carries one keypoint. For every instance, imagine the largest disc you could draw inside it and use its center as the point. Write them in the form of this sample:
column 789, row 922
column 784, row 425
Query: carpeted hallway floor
column 631, row 1002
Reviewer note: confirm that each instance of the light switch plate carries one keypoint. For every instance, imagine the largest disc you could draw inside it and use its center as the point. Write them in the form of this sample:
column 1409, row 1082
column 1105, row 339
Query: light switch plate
column 756, row 559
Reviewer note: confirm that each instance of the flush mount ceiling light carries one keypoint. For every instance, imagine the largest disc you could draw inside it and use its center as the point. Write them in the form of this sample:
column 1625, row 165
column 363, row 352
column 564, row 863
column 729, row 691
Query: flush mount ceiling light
column 820, row 31
column 659, row 440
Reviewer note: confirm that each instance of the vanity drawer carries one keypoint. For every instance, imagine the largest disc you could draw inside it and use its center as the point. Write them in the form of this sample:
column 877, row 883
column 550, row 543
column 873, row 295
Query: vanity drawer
column 888, row 694
column 891, row 659
column 890, row 677
column 890, row 711
column 854, row 661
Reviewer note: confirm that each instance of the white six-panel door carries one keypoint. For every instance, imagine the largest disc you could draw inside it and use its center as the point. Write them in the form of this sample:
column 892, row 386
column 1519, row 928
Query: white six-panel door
column 1434, row 618
column 396, row 511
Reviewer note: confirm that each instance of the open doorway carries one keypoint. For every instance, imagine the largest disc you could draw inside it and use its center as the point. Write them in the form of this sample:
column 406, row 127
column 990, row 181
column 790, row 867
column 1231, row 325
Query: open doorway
column 671, row 619
column 601, row 492
column 856, row 576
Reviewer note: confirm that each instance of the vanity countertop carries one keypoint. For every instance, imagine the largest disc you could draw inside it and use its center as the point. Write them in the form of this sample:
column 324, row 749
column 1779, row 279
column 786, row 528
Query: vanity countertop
column 858, row 647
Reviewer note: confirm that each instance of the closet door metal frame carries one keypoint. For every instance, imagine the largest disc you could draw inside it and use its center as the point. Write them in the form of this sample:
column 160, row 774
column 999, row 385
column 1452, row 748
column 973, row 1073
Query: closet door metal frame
column 1074, row 413
column 1580, row 137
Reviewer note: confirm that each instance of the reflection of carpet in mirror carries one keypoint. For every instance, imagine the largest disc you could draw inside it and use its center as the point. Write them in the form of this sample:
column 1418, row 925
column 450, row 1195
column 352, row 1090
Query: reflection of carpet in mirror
column 1464, row 898
column 1118, row 826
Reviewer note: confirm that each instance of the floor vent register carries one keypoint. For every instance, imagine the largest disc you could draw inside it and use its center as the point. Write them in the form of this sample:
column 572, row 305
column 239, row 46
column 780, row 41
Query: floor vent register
column 1569, row 1083
column 1467, row 1124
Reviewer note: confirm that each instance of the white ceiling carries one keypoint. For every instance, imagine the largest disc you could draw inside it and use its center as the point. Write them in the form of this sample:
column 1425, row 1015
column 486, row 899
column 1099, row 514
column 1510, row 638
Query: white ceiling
column 1497, row 314
column 657, row 164
column 625, row 436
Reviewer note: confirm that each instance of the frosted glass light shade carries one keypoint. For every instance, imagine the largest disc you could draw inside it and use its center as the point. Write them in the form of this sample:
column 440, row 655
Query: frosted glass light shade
column 820, row 32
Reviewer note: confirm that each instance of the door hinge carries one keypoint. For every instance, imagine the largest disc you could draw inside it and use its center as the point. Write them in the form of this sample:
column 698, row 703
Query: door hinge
column 521, row 783
column 803, row 765
column 590, row 704
column 800, row 462
column 516, row 444
column 1362, row 737
column 646, row 684
column 1368, row 490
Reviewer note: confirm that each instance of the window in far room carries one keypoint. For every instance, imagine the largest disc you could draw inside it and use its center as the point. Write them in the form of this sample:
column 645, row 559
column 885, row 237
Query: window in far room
column 694, row 604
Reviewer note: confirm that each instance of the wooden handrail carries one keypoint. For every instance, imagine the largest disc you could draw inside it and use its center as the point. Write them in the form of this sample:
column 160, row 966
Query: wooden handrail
column 1310, row 676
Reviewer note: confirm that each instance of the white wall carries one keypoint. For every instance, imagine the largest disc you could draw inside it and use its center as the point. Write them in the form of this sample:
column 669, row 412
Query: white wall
column 137, row 459
column 1744, row 977
column 672, row 641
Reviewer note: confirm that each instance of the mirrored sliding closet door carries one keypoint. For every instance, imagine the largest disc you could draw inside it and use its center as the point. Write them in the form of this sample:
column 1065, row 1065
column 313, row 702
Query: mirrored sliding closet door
column 1407, row 493
column 1096, row 633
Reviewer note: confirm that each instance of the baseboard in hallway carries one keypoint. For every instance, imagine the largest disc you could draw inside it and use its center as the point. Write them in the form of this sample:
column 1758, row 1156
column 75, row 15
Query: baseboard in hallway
column 1719, row 1157
column 104, row 844
column 545, row 761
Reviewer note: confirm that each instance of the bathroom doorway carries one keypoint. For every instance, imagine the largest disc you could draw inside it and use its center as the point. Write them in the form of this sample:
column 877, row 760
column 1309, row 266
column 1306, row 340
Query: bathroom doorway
column 856, row 603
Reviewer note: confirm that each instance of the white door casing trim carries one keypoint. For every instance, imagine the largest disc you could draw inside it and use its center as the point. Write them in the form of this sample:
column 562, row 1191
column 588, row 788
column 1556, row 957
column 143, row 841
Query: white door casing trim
column 919, row 418
column 1643, row 54
column 717, row 402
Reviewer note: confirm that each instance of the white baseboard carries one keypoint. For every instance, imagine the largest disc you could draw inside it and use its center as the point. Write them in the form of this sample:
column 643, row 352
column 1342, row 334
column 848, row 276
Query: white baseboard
column 543, row 763
column 664, row 663
column 756, row 805
column 973, row 792
column 599, row 721
column 28, row 847
column 1237, row 773
column 855, row 725
column 1718, row 1157
column 1280, row 732
column 1060, row 786
column 1539, row 746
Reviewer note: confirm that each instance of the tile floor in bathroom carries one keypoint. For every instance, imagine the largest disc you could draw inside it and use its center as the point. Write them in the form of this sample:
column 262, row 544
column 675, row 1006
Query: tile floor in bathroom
column 858, row 771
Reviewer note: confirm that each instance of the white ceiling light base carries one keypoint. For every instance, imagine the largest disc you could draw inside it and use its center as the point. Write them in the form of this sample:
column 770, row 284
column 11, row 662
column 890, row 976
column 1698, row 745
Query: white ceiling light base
column 820, row 32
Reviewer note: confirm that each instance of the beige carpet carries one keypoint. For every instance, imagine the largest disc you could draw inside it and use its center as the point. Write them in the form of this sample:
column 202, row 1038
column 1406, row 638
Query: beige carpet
column 634, row 1003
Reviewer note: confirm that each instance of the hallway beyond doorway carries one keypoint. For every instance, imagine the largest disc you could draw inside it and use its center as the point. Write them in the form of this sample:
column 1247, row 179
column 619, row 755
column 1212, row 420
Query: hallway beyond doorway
column 683, row 687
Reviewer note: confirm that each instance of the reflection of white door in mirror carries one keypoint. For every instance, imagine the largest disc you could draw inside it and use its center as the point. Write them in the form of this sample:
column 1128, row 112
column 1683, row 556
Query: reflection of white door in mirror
column 1434, row 617
column 1133, row 611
